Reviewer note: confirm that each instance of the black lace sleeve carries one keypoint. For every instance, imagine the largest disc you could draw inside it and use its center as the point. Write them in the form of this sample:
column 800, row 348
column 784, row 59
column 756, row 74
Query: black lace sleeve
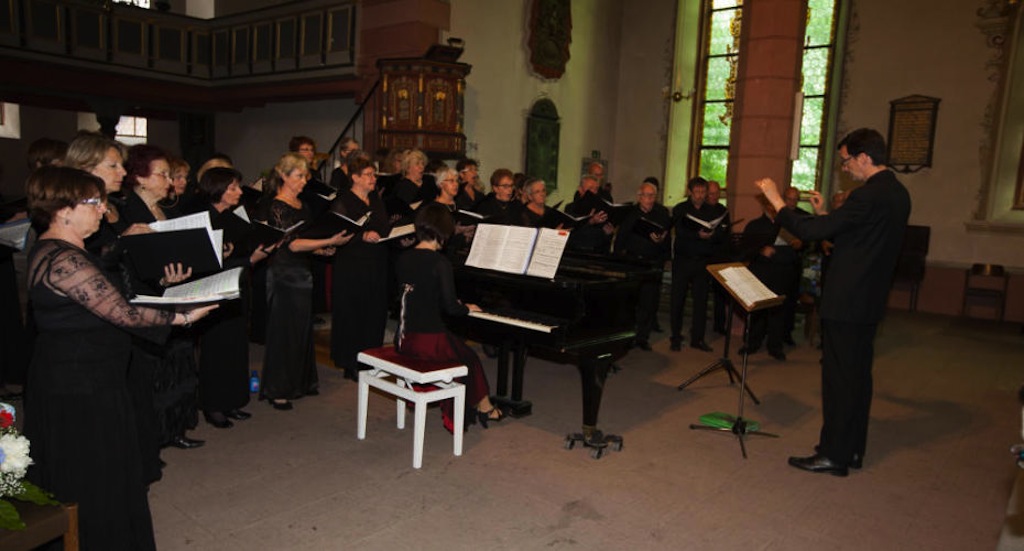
column 71, row 273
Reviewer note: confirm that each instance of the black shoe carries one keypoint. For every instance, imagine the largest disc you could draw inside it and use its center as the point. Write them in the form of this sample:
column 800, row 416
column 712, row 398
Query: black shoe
column 788, row 339
column 701, row 345
column 186, row 443
column 484, row 417
column 217, row 419
column 818, row 463
column 749, row 349
column 237, row 414
column 282, row 405
column 676, row 344
column 643, row 345
column 778, row 355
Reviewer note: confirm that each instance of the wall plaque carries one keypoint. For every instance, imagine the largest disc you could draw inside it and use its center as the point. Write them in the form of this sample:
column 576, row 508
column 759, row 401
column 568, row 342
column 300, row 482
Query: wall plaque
column 912, row 132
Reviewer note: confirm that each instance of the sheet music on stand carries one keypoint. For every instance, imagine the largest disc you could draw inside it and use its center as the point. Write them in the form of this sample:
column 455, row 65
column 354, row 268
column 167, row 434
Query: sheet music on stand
column 744, row 286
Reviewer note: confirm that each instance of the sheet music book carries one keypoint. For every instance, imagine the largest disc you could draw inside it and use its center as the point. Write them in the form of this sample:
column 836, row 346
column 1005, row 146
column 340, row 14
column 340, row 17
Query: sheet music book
column 744, row 286
column 553, row 218
column 150, row 252
column 214, row 288
column 399, row 231
column 517, row 250
column 616, row 211
column 645, row 227
column 708, row 225
column 192, row 221
column 242, row 213
column 15, row 234
column 468, row 218
column 264, row 234
column 330, row 223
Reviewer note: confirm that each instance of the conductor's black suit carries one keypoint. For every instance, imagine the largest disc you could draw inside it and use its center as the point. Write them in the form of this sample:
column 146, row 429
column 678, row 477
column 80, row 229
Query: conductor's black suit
column 868, row 233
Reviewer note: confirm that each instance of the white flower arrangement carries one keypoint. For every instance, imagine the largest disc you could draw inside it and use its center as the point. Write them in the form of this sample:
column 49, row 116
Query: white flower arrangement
column 14, row 462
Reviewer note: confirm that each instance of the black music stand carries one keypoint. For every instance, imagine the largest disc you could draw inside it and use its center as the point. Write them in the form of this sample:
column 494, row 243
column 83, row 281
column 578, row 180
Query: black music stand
column 724, row 362
column 751, row 300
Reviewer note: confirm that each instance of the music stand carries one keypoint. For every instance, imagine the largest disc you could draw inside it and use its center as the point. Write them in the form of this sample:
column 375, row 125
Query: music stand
column 724, row 362
column 752, row 295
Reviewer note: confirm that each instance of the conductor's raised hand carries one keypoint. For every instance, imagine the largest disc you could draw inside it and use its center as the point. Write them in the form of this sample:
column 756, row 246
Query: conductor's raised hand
column 818, row 202
column 769, row 188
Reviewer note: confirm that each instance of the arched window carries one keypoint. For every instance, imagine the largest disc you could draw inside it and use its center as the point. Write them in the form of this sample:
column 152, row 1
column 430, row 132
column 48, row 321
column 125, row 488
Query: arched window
column 542, row 130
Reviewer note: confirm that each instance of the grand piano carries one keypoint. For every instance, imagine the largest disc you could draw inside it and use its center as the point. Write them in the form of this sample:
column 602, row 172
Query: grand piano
column 585, row 315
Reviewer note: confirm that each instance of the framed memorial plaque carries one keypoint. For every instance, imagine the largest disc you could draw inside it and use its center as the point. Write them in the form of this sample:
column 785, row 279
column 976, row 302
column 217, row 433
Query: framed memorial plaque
column 912, row 132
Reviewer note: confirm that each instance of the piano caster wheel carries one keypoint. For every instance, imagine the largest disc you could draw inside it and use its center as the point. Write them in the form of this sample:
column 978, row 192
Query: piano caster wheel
column 596, row 441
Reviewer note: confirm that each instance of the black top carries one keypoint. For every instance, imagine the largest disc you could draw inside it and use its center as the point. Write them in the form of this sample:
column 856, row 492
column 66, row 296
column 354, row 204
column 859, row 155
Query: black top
column 340, row 179
column 349, row 204
column 588, row 237
column 633, row 243
column 465, row 202
column 867, row 233
column 410, row 193
column 689, row 243
column 281, row 215
column 507, row 213
column 428, row 288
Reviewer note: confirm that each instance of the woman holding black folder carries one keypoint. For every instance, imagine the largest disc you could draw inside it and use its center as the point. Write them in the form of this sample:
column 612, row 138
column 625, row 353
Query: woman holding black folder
column 536, row 211
column 360, row 275
column 289, row 362
column 223, row 346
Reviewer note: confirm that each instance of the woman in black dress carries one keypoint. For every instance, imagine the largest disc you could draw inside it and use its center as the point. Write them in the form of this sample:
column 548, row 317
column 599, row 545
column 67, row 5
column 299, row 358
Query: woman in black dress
column 535, row 209
column 428, row 290
column 223, row 344
column 289, row 362
column 78, row 411
column 500, row 206
column 359, row 300
column 175, row 377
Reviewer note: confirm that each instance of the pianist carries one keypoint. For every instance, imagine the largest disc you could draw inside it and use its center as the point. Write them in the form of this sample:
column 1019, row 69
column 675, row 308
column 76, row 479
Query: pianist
column 427, row 286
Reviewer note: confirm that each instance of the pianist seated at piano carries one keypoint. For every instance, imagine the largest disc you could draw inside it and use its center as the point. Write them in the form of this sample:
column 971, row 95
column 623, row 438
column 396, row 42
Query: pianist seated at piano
column 500, row 205
column 427, row 286
column 536, row 203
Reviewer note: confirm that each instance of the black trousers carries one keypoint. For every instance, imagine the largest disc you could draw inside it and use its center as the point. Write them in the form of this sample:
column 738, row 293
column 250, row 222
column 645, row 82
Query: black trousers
column 846, row 387
column 647, row 308
column 687, row 274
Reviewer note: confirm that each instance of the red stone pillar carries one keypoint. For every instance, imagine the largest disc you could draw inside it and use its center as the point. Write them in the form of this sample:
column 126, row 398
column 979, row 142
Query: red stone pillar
column 767, row 80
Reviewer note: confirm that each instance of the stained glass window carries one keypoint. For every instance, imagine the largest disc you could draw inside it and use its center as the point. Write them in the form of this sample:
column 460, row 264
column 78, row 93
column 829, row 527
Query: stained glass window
column 819, row 41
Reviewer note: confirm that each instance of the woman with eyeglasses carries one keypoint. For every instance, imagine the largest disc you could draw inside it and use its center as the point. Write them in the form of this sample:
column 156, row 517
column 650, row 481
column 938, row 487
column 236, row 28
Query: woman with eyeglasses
column 500, row 205
column 79, row 412
column 173, row 365
column 536, row 207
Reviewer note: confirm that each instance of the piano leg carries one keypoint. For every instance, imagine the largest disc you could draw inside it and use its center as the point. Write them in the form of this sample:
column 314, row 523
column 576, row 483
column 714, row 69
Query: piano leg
column 593, row 374
column 513, row 405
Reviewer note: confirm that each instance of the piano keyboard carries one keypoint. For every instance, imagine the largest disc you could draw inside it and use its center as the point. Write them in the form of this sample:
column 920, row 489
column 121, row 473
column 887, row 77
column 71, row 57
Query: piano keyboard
column 517, row 322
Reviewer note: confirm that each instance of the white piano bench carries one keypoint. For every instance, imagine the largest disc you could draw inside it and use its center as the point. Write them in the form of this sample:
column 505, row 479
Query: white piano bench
column 395, row 374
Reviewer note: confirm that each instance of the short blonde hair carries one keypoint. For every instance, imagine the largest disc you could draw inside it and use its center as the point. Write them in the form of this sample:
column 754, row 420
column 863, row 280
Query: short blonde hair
column 413, row 156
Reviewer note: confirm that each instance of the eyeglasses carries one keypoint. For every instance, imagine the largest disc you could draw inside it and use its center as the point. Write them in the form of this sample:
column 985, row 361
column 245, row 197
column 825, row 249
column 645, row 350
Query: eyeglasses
column 96, row 202
column 504, row 185
column 164, row 174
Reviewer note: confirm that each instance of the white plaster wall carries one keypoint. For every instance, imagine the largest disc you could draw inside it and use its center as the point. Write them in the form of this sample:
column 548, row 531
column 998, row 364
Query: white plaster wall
column 645, row 65
column 501, row 87
column 902, row 48
column 256, row 138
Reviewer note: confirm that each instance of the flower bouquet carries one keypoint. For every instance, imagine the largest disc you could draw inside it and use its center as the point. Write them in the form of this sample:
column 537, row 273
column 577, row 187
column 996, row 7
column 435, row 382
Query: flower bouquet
column 14, row 461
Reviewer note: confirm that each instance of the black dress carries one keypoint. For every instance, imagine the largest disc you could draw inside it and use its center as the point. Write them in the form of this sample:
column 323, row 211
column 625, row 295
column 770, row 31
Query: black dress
column 79, row 414
column 289, row 362
column 359, row 301
column 223, row 346
column 175, row 377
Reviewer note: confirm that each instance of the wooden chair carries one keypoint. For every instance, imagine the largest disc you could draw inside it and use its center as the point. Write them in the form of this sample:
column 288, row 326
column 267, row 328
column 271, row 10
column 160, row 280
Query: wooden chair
column 986, row 282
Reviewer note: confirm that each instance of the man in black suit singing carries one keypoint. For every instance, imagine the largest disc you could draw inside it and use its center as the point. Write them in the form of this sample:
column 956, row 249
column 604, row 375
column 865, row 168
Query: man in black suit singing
column 867, row 233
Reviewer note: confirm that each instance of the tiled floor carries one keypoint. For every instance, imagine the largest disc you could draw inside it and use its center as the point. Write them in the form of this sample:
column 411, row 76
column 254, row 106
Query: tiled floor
column 937, row 475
